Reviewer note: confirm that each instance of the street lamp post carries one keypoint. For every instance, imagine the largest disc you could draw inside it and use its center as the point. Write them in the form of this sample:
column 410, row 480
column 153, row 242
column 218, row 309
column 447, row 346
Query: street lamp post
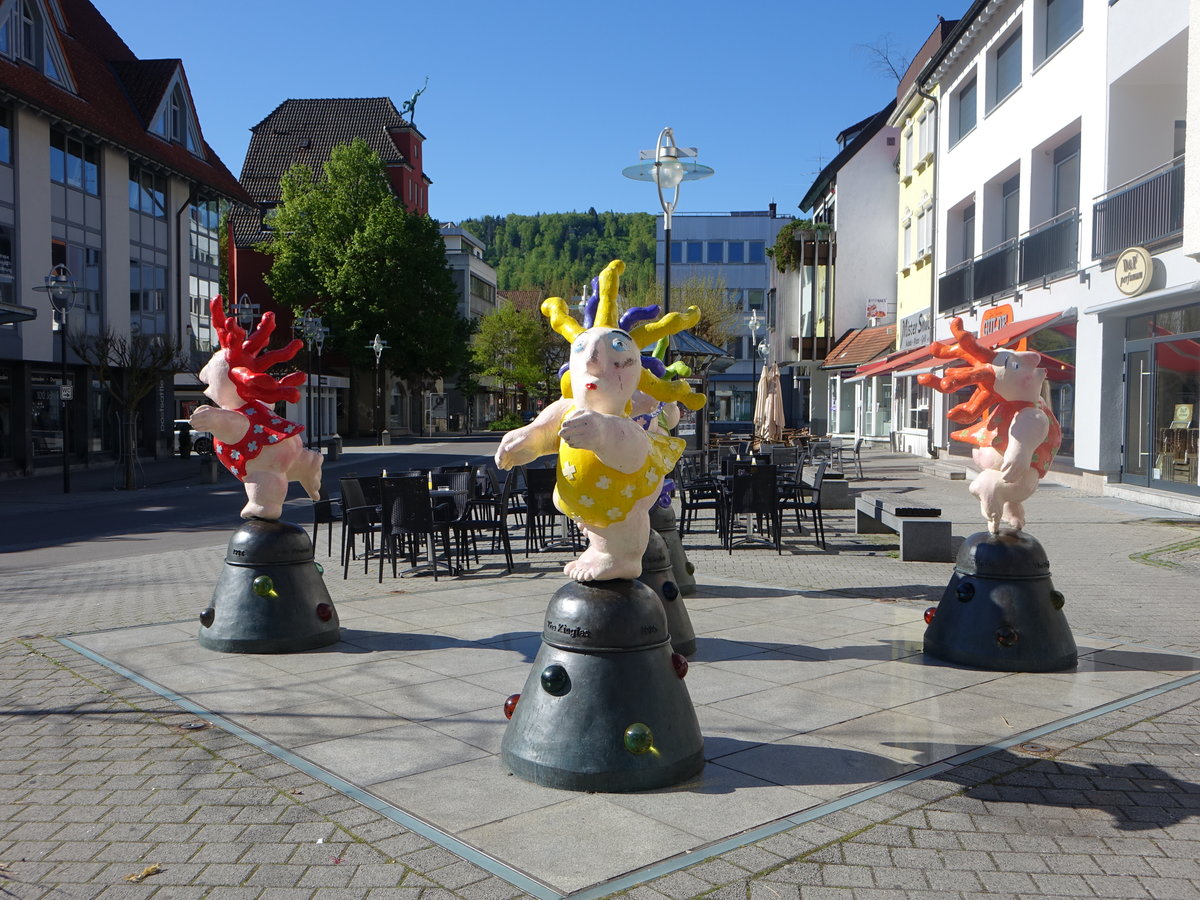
column 322, row 333
column 670, row 166
column 61, row 288
column 310, row 326
column 379, row 345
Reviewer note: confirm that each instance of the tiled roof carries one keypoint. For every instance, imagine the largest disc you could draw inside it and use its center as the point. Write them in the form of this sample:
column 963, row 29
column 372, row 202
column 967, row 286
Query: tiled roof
column 306, row 131
column 861, row 346
column 530, row 301
column 115, row 87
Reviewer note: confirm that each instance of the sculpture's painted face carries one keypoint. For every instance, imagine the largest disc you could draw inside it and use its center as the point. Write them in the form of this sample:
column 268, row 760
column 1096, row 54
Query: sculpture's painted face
column 221, row 390
column 605, row 369
column 1018, row 376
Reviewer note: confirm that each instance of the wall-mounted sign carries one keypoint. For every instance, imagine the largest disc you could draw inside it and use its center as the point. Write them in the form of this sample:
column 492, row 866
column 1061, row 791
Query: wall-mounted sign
column 999, row 317
column 1133, row 271
column 877, row 308
column 914, row 331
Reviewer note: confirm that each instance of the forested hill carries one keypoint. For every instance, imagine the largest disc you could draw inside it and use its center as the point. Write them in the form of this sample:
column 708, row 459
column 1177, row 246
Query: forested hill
column 560, row 252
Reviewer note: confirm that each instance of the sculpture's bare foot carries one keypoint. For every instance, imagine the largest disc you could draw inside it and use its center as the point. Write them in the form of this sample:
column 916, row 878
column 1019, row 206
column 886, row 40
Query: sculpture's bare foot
column 1014, row 515
column 594, row 565
column 254, row 510
column 309, row 474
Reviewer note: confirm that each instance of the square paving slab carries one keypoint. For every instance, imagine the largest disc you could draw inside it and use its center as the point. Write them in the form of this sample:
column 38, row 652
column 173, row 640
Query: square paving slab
column 805, row 702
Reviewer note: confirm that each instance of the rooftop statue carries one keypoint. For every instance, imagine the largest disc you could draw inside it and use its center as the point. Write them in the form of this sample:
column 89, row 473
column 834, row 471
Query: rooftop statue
column 1008, row 419
column 262, row 449
column 610, row 466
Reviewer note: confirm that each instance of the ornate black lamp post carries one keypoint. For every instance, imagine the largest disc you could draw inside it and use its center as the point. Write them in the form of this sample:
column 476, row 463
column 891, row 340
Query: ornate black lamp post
column 379, row 345
column 61, row 288
column 310, row 327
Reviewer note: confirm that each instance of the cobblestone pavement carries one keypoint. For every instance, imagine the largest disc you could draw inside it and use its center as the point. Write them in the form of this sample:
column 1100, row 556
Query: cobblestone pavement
column 101, row 779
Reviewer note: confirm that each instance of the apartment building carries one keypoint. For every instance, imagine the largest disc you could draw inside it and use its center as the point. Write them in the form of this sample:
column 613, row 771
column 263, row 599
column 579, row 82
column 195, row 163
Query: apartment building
column 104, row 171
column 1064, row 222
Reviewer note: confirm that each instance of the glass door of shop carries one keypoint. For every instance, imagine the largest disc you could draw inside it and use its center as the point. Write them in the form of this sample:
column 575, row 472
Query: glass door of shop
column 1162, row 432
column 1138, row 442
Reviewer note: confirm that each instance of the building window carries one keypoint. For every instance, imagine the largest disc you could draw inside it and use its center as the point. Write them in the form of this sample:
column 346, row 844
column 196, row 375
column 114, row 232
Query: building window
column 908, row 247
column 910, row 158
column 716, row 251
column 481, row 290
column 1064, row 18
column 676, row 252
column 964, row 110
column 754, row 298
column 695, row 252
column 1066, row 176
column 734, row 348
column 968, row 232
column 204, row 226
column 1010, row 208
column 148, row 193
column 84, row 263
column 5, row 136
column 757, row 251
column 1007, row 68
column 147, row 298
column 923, row 234
column 737, row 252
column 925, row 135
column 74, row 163
column 174, row 122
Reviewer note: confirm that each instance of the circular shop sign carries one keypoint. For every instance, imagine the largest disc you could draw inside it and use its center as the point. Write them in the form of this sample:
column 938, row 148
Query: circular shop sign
column 1133, row 271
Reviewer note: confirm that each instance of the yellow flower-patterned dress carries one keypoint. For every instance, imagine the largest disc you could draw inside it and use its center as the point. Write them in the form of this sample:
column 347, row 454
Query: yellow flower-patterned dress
column 599, row 495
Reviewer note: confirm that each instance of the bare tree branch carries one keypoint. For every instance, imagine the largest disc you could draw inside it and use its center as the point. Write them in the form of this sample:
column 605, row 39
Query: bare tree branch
column 884, row 57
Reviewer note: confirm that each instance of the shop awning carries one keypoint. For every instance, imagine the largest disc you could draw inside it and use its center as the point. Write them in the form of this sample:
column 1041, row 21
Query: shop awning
column 11, row 313
column 921, row 360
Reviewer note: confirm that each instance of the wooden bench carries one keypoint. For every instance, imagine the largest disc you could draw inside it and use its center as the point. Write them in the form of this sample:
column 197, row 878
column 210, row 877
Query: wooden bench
column 924, row 535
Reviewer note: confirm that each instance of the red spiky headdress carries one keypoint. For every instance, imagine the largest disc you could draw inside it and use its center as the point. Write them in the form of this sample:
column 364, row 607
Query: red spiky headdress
column 247, row 367
column 979, row 373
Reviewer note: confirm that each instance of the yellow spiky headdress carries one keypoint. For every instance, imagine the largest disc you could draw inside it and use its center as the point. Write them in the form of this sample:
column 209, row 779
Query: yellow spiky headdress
column 649, row 329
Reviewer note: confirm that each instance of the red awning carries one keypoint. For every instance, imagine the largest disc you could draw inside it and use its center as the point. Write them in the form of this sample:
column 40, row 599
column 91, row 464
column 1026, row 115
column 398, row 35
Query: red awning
column 1001, row 337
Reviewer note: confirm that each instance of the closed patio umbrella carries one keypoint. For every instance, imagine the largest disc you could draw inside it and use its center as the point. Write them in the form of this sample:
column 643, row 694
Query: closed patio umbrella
column 773, row 417
column 761, row 393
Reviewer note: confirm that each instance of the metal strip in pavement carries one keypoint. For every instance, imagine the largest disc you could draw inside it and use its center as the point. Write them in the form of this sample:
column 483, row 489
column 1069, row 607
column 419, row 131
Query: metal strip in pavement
column 449, row 842
column 543, row 891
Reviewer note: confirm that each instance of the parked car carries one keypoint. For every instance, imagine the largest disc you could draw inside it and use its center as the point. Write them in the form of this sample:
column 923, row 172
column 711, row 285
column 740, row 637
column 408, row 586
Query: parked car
column 202, row 441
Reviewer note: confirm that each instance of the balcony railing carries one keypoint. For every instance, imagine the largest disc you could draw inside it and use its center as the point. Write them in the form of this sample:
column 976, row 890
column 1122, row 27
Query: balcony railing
column 1140, row 213
column 1048, row 250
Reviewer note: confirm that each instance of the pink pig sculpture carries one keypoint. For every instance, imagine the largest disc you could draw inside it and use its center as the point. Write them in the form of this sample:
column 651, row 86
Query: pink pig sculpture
column 262, row 449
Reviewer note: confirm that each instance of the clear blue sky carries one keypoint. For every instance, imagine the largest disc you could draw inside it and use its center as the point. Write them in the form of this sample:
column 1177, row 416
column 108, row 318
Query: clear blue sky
column 537, row 106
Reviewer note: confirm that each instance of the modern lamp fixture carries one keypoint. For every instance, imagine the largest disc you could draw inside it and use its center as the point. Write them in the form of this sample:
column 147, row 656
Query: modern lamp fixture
column 667, row 165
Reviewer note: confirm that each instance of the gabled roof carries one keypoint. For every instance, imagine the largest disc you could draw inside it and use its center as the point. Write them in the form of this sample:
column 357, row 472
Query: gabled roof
column 866, row 132
column 861, row 346
column 306, row 131
column 114, row 88
column 530, row 301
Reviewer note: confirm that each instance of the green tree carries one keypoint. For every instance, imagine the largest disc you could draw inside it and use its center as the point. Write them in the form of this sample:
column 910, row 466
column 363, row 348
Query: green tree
column 509, row 347
column 347, row 241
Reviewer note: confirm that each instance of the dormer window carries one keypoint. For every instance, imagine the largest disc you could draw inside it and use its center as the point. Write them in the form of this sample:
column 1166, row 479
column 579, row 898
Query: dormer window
column 175, row 121
column 25, row 38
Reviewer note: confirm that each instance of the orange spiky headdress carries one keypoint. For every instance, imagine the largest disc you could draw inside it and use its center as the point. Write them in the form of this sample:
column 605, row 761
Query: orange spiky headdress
column 247, row 366
column 979, row 373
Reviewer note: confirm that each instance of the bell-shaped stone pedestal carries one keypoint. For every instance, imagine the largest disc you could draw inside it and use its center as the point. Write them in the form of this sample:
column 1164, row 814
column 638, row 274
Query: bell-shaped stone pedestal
column 658, row 575
column 604, row 707
column 1000, row 609
column 270, row 596
column 664, row 521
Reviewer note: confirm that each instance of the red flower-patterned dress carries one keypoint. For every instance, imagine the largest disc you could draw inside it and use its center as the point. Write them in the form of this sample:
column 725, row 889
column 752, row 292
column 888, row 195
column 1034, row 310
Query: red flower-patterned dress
column 266, row 428
column 992, row 431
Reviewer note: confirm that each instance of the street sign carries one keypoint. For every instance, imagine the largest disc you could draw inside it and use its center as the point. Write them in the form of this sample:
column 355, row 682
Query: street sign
column 66, row 392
